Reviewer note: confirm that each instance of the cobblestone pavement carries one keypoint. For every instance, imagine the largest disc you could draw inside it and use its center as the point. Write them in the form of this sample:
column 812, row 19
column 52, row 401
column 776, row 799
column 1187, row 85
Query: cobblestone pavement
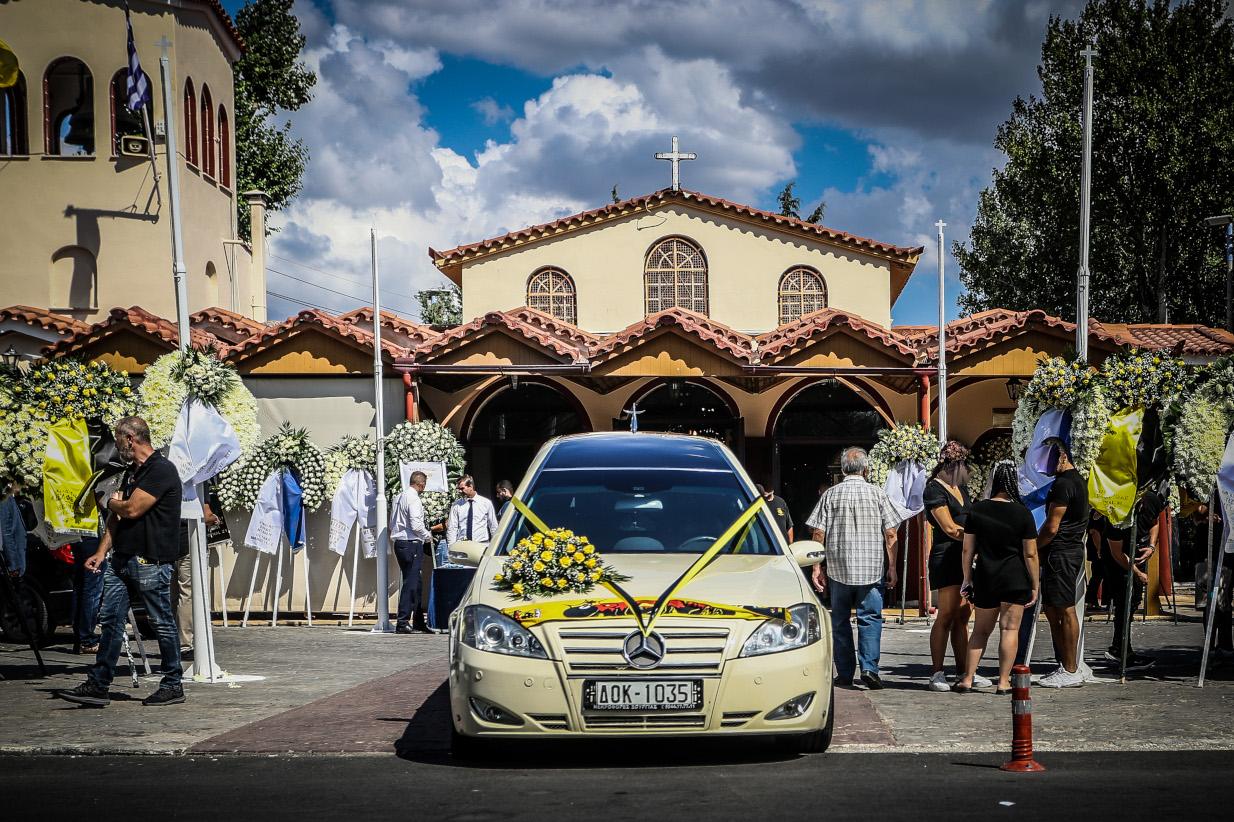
column 334, row 690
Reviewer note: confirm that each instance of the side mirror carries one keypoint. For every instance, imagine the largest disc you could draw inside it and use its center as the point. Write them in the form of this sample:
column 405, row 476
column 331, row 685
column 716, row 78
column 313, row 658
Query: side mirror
column 807, row 552
column 468, row 553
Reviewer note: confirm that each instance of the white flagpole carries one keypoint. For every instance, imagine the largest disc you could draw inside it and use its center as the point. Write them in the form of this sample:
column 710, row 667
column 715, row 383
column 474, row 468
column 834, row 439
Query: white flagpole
column 1214, row 581
column 278, row 585
column 1081, row 318
column 383, row 526
column 248, row 601
column 308, row 610
column 942, row 344
column 222, row 583
column 355, row 558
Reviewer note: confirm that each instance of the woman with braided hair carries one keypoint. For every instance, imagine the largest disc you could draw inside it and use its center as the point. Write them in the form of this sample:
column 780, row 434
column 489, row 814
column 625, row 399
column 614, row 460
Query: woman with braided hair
column 1001, row 536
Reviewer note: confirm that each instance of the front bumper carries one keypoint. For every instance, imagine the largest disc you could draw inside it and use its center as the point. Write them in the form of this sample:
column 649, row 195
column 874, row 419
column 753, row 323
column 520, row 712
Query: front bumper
column 546, row 696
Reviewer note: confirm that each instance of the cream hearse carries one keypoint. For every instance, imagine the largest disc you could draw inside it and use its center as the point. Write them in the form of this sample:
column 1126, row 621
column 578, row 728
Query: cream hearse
column 728, row 637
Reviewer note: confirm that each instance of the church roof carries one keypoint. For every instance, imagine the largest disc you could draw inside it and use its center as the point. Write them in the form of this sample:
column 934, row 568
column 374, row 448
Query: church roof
column 985, row 326
column 136, row 318
column 787, row 336
column 332, row 326
column 412, row 334
column 510, row 321
column 450, row 261
column 224, row 20
column 1185, row 340
column 43, row 319
column 738, row 344
column 228, row 326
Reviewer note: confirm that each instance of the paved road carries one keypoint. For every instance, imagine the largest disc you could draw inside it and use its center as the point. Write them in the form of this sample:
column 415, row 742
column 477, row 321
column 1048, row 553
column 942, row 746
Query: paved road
column 584, row 782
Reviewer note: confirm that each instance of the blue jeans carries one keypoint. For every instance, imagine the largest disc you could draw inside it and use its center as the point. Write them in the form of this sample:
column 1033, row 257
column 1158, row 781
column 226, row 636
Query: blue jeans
column 87, row 593
column 868, row 602
column 124, row 580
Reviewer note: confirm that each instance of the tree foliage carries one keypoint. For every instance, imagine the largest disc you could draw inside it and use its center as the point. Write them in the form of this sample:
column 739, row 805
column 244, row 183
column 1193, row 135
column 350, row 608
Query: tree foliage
column 1163, row 140
column 441, row 306
column 269, row 78
column 790, row 205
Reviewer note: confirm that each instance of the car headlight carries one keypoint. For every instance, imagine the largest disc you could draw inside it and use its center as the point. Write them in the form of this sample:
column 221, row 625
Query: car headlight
column 487, row 629
column 802, row 628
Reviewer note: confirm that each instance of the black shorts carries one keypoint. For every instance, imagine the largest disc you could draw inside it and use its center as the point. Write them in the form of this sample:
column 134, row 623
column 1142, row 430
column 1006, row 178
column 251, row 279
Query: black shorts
column 1061, row 572
column 946, row 565
column 993, row 597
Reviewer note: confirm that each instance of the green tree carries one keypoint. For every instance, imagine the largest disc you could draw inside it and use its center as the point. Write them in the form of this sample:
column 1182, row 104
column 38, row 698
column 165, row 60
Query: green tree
column 1163, row 137
column 816, row 216
column 441, row 306
column 790, row 206
column 269, row 78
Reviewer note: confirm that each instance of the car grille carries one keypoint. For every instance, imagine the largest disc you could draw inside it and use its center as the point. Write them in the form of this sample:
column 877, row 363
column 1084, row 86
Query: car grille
column 687, row 651
column 736, row 719
column 644, row 722
column 554, row 722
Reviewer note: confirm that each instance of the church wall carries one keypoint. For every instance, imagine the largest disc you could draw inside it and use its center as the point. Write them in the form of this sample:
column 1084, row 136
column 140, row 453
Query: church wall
column 99, row 217
column 745, row 262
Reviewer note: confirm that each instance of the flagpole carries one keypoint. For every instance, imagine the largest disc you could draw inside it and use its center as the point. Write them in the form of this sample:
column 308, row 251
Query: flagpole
column 1214, row 582
column 355, row 557
column 1081, row 319
column 383, row 526
column 942, row 344
column 1130, row 551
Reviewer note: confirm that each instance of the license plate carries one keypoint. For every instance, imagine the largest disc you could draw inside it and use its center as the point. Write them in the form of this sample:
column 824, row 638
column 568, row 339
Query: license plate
column 643, row 694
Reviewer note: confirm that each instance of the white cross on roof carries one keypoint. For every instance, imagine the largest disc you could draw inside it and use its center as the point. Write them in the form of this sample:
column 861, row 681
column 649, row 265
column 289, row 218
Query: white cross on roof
column 675, row 157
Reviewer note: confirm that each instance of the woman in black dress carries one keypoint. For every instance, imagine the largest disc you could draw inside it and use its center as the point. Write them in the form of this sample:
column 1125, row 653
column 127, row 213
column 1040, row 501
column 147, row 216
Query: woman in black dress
column 947, row 503
column 1002, row 535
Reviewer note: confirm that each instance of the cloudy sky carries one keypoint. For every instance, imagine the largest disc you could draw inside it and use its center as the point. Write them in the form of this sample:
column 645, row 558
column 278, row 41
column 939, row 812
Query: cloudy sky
column 443, row 122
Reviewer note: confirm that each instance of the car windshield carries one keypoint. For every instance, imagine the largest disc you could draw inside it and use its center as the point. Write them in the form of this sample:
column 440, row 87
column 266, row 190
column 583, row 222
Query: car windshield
column 642, row 510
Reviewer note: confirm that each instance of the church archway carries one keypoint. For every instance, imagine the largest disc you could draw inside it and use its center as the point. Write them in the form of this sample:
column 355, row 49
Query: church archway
column 509, row 426
column 686, row 407
column 810, row 430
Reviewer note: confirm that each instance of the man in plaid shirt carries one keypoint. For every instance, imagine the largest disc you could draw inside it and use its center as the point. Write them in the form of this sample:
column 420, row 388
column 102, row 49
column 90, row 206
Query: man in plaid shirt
column 856, row 522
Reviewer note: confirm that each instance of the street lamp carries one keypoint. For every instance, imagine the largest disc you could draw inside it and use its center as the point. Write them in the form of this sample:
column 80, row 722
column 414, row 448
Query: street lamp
column 1227, row 220
column 1014, row 386
column 11, row 357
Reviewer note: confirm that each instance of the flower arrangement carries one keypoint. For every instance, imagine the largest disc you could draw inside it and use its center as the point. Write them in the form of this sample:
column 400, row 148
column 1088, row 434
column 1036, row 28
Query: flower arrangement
column 984, row 458
column 350, row 452
column 556, row 562
column 906, row 442
column 1070, row 385
column 1206, row 420
column 290, row 448
column 173, row 377
column 425, row 441
column 46, row 394
column 1147, row 378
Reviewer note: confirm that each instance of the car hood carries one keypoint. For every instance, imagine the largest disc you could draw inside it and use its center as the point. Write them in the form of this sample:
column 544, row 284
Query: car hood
column 758, row 581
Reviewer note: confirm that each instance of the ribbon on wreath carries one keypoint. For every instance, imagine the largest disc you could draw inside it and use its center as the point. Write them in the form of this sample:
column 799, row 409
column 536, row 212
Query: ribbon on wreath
column 647, row 622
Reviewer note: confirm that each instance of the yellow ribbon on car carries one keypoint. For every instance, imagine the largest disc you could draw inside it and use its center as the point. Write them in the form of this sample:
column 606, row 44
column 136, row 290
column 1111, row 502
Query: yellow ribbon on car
column 661, row 605
column 593, row 609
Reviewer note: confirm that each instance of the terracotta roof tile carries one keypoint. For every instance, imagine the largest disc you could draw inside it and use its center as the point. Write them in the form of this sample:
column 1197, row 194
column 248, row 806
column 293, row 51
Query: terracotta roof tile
column 321, row 319
column 139, row 319
column 43, row 319
column 771, row 344
column 226, row 20
column 987, row 325
column 905, row 254
column 555, row 326
column 734, row 342
column 575, row 352
column 235, row 327
column 1194, row 340
column 412, row 334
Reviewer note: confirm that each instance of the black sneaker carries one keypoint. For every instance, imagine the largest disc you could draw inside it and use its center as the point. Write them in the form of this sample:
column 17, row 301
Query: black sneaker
column 871, row 680
column 87, row 693
column 1135, row 662
column 165, row 696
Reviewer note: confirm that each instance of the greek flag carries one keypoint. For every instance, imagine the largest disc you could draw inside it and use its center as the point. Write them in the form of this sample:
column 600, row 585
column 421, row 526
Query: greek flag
column 138, row 86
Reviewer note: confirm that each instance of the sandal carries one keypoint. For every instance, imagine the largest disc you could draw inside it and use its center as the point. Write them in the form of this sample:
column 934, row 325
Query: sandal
column 88, row 649
column 1003, row 692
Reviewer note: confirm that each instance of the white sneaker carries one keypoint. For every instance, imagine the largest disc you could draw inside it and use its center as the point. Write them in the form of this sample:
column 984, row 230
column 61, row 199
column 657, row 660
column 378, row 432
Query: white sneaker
column 938, row 682
column 980, row 681
column 1062, row 678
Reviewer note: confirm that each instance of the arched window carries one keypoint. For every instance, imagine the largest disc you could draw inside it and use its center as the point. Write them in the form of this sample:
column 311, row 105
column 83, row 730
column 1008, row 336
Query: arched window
column 207, row 132
column 13, row 132
column 190, row 123
column 124, row 121
column 802, row 291
column 68, row 108
column 224, row 149
column 675, row 275
column 552, row 291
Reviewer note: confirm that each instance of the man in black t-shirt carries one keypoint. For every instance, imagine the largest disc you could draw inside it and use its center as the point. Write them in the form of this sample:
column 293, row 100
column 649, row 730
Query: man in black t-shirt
column 143, row 535
column 1061, row 545
column 1116, row 562
column 779, row 512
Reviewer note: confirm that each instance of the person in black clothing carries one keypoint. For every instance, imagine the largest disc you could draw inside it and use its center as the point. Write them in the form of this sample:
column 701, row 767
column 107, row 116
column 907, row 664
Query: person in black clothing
column 1117, row 541
column 947, row 503
column 1002, row 536
column 143, row 529
column 1060, row 542
column 779, row 512
column 1096, row 598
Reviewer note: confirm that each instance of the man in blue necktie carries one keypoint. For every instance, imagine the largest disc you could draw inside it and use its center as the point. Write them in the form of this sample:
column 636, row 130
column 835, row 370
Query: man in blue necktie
column 472, row 517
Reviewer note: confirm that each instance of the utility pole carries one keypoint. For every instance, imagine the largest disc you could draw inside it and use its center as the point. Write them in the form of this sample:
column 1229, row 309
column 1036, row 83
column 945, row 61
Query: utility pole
column 942, row 343
column 1081, row 313
column 383, row 519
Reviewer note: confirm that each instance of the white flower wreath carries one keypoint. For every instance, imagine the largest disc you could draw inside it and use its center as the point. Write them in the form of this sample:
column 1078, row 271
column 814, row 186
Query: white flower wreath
column 1058, row 383
column 350, row 452
column 1205, row 422
column 425, row 441
column 907, row 441
column 173, row 377
column 290, row 448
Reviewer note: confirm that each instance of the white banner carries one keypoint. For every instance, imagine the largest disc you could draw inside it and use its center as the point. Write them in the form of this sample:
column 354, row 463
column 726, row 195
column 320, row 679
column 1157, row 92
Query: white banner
column 906, row 488
column 1225, row 489
column 435, row 471
column 355, row 497
column 202, row 445
column 266, row 525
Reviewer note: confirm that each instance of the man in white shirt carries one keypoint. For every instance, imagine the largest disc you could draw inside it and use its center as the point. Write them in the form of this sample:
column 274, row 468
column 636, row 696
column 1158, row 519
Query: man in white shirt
column 472, row 516
column 411, row 539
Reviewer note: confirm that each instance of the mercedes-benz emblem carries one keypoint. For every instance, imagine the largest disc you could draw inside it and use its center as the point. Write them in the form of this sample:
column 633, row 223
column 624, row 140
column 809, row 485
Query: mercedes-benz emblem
column 643, row 651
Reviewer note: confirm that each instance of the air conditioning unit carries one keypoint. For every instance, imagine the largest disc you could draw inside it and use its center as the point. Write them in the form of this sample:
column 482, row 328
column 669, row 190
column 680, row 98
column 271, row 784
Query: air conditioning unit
column 134, row 147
